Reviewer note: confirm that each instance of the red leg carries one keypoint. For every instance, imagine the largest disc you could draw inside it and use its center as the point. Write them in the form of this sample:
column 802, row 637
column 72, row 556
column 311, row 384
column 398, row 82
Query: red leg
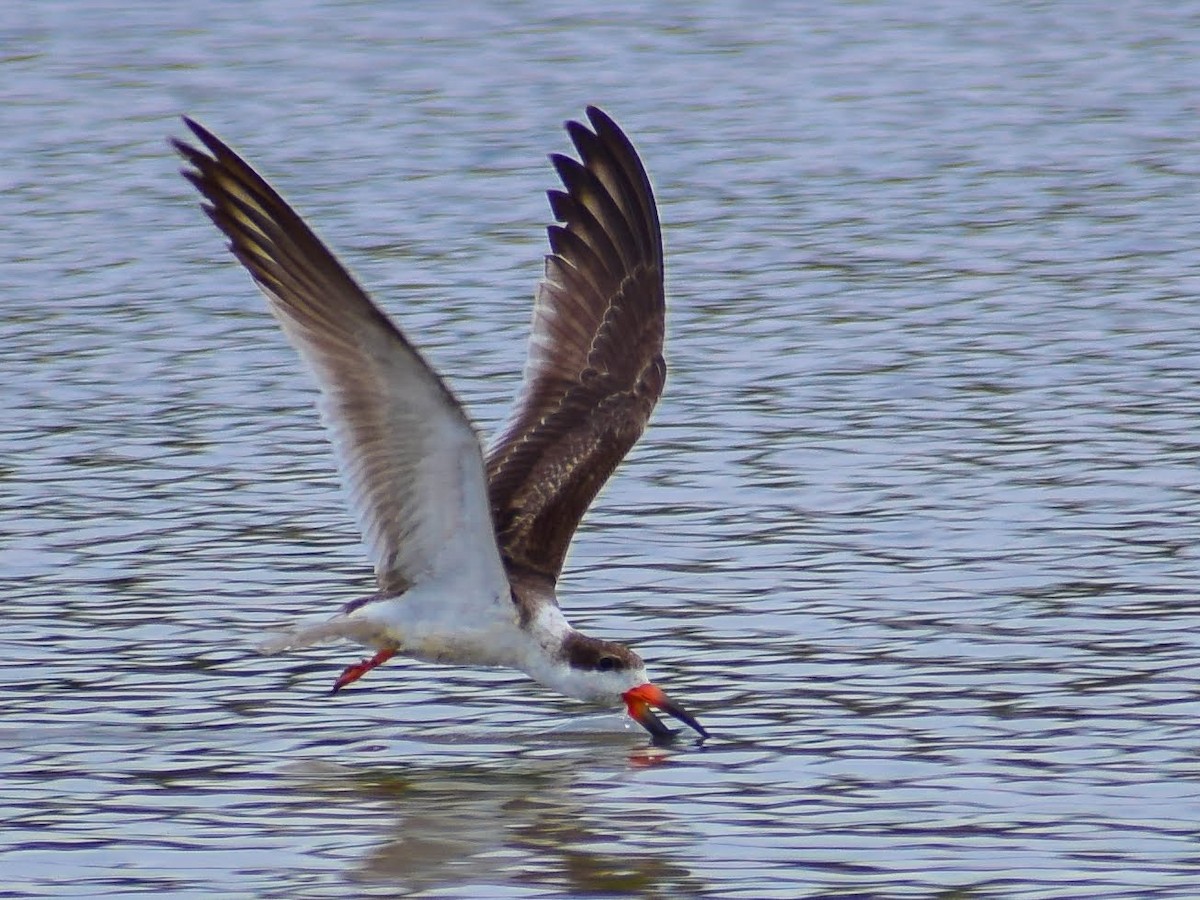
column 359, row 669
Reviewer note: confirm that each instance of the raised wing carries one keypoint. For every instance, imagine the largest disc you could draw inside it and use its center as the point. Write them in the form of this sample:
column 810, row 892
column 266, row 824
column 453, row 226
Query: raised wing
column 595, row 366
column 409, row 458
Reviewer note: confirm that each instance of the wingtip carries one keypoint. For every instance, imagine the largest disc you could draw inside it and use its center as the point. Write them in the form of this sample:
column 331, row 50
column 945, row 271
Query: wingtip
column 211, row 142
column 195, row 127
column 176, row 144
column 596, row 117
column 564, row 165
column 577, row 131
column 183, row 148
column 599, row 118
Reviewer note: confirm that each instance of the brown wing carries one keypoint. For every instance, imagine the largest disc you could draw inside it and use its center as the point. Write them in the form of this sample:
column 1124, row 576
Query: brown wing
column 595, row 367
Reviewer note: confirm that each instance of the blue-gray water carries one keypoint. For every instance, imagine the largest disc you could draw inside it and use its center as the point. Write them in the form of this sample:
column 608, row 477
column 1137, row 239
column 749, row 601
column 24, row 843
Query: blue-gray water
column 914, row 530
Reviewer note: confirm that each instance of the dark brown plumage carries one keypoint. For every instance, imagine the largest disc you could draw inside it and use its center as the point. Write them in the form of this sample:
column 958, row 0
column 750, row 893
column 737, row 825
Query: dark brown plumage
column 595, row 368
column 595, row 655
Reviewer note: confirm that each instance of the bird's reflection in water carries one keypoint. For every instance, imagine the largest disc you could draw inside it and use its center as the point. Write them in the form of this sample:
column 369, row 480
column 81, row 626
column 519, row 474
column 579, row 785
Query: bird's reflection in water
column 521, row 821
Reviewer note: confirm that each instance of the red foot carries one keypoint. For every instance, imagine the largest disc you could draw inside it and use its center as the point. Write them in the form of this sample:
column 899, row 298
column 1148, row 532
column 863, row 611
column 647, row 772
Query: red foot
column 359, row 669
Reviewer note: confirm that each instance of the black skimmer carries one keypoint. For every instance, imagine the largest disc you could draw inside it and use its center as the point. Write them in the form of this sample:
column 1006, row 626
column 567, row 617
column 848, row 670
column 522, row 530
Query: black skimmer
column 467, row 549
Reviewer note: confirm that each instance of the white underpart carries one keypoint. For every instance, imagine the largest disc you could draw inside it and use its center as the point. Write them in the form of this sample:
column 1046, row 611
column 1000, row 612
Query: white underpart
column 426, row 623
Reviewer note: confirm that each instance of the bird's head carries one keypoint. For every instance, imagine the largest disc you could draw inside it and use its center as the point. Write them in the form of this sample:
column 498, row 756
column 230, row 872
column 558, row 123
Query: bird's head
column 608, row 673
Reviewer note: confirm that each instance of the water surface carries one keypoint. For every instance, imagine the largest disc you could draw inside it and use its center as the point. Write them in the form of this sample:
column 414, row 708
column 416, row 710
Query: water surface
column 913, row 530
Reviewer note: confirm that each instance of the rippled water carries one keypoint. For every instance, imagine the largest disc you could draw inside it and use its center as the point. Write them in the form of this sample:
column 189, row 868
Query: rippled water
column 914, row 530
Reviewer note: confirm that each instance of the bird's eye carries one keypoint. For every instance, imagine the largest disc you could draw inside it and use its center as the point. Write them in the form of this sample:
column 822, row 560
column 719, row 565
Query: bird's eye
column 607, row 664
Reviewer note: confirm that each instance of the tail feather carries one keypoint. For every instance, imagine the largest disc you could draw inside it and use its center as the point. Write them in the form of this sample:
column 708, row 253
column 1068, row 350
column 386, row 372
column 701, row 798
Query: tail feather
column 354, row 628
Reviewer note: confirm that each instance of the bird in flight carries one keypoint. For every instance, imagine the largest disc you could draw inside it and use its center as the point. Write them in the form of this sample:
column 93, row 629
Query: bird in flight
column 468, row 547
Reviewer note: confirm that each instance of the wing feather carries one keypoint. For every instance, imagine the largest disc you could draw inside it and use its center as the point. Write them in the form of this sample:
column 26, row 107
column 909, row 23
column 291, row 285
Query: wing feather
column 410, row 461
column 595, row 367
